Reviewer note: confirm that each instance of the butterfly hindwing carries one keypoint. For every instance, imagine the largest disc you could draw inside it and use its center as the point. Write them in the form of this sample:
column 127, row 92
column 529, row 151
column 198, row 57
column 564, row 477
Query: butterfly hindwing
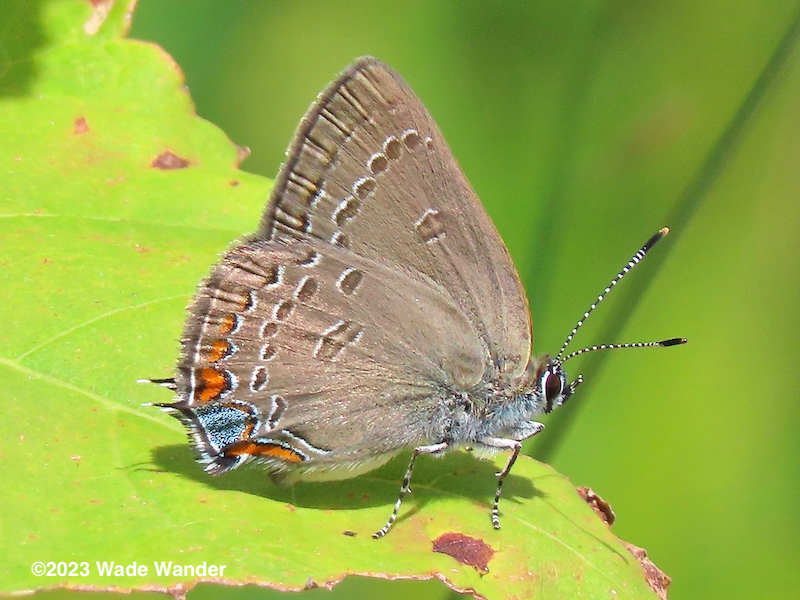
column 316, row 350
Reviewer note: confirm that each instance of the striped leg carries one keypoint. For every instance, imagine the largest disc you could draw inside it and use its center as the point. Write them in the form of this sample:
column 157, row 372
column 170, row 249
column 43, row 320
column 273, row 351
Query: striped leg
column 502, row 444
column 405, row 488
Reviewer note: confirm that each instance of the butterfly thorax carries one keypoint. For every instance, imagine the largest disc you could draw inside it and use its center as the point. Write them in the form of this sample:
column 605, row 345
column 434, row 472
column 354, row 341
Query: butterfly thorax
column 503, row 408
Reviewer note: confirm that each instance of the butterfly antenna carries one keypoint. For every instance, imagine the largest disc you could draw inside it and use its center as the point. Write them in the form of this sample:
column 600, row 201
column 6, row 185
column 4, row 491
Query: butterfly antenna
column 662, row 343
column 631, row 263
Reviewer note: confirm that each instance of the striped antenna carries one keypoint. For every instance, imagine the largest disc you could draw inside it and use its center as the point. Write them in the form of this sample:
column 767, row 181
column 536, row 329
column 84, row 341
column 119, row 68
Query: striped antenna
column 631, row 263
column 663, row 343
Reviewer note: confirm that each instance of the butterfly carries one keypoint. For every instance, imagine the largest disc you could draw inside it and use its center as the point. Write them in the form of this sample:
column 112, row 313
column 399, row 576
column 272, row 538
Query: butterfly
column 375, row 310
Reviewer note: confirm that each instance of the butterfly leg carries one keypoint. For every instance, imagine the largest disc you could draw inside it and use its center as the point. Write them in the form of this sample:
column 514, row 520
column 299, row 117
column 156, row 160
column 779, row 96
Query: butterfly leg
column 530, row 428
column 406, row 487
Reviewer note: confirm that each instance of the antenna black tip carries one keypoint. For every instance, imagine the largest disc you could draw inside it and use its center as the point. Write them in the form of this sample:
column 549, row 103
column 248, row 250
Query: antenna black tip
column 673, row 342
column 652, row 241
column 635, row 259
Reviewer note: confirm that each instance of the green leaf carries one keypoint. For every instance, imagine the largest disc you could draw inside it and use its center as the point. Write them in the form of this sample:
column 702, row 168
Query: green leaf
column 116, row 200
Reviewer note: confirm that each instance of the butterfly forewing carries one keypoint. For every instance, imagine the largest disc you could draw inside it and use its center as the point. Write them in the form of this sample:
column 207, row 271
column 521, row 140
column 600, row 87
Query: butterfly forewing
column 370, row 171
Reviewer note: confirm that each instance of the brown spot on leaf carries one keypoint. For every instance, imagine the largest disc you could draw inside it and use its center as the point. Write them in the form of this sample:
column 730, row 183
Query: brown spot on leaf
column 81, row 126
column 656, row 578
column 349, row 533
column 465, row 549
column 167, row 161
column 234, row 183
column 599, row 506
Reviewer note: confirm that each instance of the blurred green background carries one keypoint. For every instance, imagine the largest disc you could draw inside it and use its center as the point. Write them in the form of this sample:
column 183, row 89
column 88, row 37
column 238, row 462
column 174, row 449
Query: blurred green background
column 585, row 126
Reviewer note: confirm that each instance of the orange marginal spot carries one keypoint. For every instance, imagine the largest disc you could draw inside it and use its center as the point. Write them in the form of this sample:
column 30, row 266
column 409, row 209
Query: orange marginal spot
column 286, row 454
column 167, row 161
column 238, row 448
column 227, row 324
column 219, row 349
column 210, row 384
column 271, row 450
column 81, row 126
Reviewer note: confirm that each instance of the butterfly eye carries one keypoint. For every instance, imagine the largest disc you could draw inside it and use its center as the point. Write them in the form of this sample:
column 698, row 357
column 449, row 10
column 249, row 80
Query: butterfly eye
column 553, row 387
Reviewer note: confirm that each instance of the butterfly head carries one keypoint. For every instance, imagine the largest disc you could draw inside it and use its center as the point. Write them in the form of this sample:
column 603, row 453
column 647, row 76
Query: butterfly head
column 549, row 378
column 550, row 381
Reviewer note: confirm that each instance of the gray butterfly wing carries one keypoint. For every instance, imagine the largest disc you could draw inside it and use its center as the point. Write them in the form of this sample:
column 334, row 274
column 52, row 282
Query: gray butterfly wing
column 370, row 171
column 318, row 361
